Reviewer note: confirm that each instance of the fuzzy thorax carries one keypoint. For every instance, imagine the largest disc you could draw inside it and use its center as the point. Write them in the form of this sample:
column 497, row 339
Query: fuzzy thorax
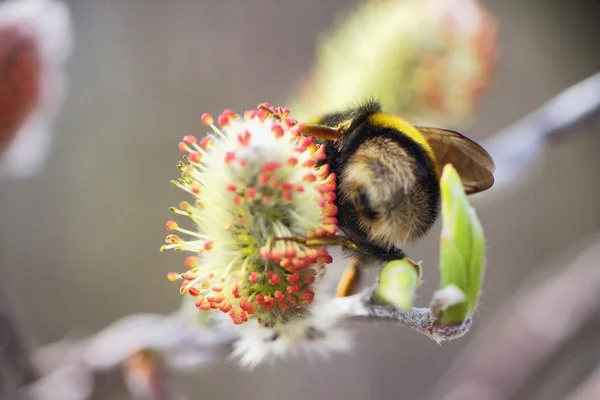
column 381, row 183
column 258, row 196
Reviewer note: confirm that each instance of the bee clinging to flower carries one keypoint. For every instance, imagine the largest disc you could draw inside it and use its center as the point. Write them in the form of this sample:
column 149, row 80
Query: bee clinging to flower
column 388, row 179
column 271, row 195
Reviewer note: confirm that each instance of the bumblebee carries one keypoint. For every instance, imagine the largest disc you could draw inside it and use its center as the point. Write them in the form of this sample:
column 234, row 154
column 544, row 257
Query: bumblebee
column 388, row 180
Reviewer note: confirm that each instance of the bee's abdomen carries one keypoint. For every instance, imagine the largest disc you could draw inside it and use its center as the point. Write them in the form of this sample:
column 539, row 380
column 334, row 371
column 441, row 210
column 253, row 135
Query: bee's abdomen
column 390, row 183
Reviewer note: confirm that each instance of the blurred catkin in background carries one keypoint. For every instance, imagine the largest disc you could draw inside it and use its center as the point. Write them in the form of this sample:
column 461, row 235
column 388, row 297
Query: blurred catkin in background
column 426, row 60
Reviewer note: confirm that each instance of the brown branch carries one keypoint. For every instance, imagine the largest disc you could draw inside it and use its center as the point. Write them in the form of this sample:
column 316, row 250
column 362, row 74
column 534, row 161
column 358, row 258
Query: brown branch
column 145, row 347
column 361, row 307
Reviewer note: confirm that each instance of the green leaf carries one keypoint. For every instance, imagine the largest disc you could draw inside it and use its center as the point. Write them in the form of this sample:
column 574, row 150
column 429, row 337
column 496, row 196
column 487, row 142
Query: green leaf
column 477, row 264
column 397, row 283
column 462, row 247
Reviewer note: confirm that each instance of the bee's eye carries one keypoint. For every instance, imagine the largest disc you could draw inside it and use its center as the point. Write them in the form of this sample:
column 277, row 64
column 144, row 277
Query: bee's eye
column 364, row 204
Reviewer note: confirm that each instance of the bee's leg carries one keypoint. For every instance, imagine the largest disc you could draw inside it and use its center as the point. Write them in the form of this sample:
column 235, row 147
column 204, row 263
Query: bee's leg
column 321, row 242
column 324, row 132
column 349, row 280
column 351, row 275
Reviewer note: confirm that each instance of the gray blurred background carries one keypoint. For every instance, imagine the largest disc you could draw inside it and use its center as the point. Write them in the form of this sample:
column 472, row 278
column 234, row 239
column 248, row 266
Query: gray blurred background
column 79, row 242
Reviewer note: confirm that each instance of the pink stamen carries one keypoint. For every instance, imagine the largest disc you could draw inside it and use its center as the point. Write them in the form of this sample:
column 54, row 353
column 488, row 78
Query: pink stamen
column 290, row 252
column 294, row 278
column 204, row 305
column 195, row 157
column 329, row 220
column 275, row 183
column 326, row 259
column 291, row 289
column 271, row 166
column 225, row 306
column 207, row 119
column 189, row 276
column 215, row 297
column 330, row 210
column 278, row 295
column 235, row 291
column 189, row 139
column 310, row 177
column 307, row 295
column 244, row 138
column 172, row 239
column 247, row 306
column 277, row 131
column 253, row 277
column 265, row 253
column 325, row 188
column 191, row 262
column 238, row 316
column 263, row 179
column 309, row 163
column 277, row 254
column 173, row 276
column 229, row 157
column 260, row 299
column 171, row 225
column 262, row 115
column 249, row 115
column 205, row 142
column 226, row 117
column 330, row 196
column 184, row 148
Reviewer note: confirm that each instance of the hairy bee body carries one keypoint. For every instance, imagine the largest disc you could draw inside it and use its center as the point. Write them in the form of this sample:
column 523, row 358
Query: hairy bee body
column 388, row 174
column 388, row 184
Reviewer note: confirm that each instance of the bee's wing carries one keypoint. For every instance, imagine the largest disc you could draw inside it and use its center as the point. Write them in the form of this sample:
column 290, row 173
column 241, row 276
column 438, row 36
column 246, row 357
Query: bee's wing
column 473, row 164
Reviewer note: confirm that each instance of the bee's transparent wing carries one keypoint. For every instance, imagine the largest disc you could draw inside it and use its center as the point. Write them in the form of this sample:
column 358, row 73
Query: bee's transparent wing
column 474, row 165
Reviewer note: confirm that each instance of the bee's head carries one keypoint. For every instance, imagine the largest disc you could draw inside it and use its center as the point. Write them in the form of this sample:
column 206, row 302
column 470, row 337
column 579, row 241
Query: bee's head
column 392, row 190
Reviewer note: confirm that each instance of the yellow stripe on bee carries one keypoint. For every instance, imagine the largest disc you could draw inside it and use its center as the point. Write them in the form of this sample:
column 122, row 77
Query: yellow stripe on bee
column 405, row 128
